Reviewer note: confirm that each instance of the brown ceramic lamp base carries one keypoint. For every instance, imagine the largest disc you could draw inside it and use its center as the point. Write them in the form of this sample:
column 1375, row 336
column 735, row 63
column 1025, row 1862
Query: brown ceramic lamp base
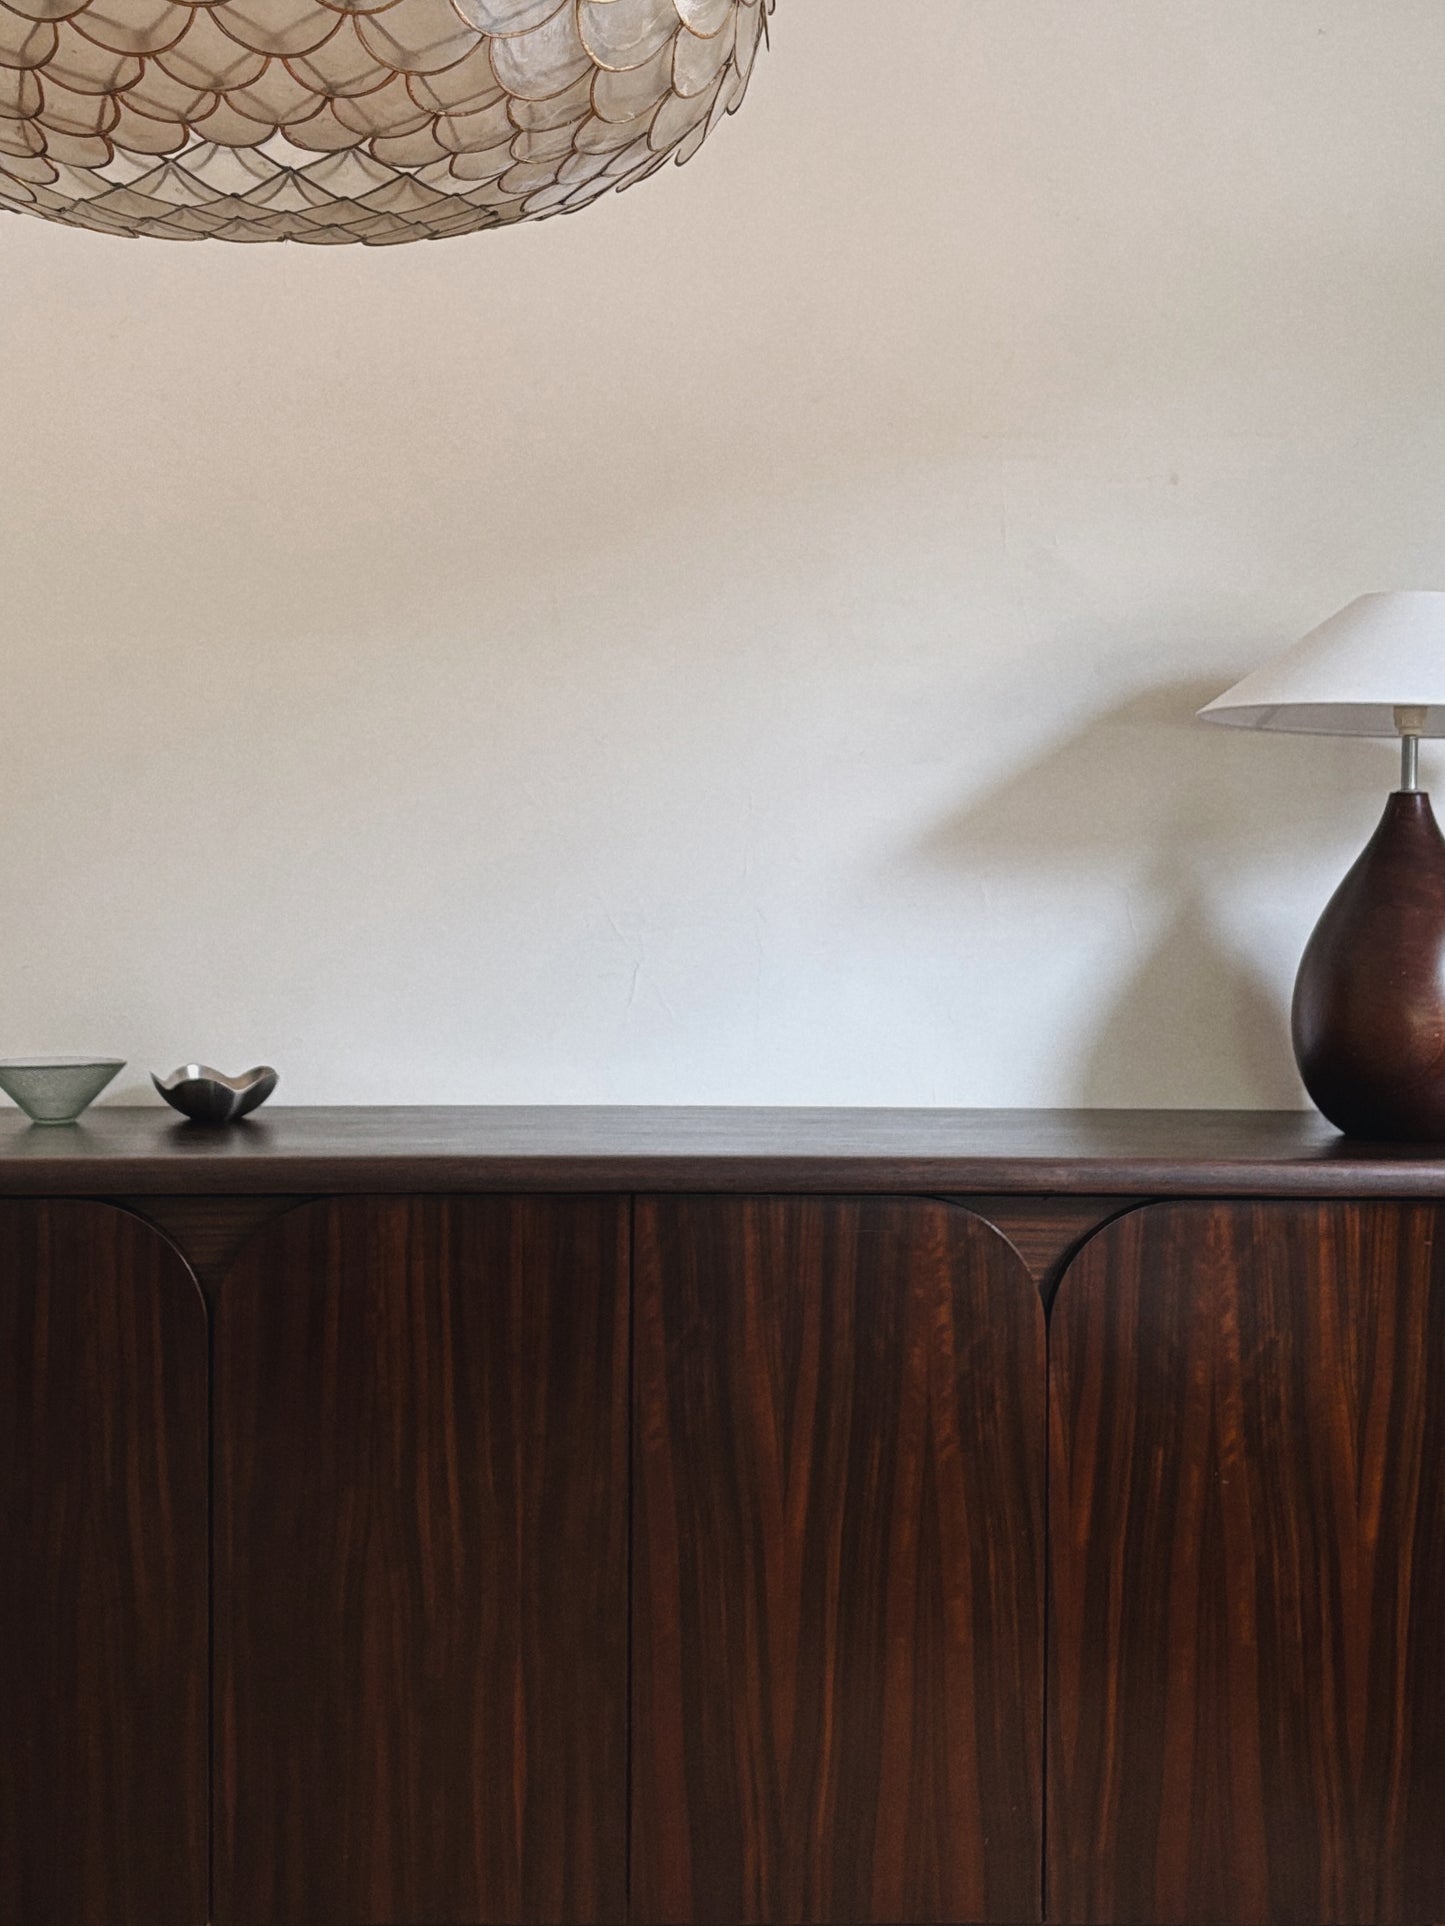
column 1369, row 1000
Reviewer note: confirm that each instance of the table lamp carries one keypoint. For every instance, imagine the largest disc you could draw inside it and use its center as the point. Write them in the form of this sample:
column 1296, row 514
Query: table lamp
column 1369, row 1002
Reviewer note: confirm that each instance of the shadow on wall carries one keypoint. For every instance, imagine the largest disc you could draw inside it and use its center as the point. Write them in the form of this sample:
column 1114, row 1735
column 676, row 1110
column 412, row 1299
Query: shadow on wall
column 1177, row 813
column 1196, row 1024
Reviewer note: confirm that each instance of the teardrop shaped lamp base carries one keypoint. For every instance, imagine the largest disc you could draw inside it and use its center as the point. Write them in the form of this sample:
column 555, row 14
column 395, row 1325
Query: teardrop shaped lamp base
column 1369, row 1001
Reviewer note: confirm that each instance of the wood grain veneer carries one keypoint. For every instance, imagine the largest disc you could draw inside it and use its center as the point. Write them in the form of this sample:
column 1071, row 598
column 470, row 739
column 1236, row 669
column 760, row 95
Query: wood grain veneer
column 139, row 1152
column 1046, row 1231
column 421, row 1565
column 208, row 1231
column 1247, row 1523
column 103, row 1635
column 832, row 1368
column 838, row 1596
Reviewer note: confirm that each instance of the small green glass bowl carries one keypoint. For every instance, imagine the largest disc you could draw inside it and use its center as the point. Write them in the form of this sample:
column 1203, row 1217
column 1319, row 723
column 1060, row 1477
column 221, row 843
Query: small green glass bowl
column 55, row 1090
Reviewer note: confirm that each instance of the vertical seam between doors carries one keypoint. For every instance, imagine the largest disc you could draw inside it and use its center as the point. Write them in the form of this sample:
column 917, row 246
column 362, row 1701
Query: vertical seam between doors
column 1045, row 1551
column 631, row 1287
column 212, row 1308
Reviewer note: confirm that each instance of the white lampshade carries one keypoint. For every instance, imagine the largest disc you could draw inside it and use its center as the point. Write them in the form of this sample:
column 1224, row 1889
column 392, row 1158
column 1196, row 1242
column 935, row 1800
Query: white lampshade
column 1348, row 677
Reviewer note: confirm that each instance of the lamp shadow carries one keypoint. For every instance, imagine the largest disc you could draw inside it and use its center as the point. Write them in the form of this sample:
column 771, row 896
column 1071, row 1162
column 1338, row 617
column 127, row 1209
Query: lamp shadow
column 1195, row 1026
column 1176, row 810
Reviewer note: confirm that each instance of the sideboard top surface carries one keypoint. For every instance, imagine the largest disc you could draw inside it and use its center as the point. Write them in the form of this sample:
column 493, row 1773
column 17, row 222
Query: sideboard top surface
column 295, row 1151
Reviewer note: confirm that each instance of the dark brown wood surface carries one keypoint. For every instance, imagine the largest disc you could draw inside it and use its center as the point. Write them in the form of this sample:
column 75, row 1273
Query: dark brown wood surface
column 103, row 1579
column 1046, row 1231
column 150, row 1152
column 1247, row 1525
column 1369, row 1001
column 208, row 1231
column 420, row 1567
column 840, row 1465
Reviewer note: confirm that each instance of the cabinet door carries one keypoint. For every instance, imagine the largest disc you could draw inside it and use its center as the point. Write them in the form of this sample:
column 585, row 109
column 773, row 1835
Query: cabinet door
column 838, row 1639
column 103, row 1640
column 1247, row 1638
column 421, row 1551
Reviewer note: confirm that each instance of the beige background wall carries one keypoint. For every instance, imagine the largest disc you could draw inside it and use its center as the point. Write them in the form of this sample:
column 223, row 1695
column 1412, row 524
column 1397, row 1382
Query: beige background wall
column 739, row 644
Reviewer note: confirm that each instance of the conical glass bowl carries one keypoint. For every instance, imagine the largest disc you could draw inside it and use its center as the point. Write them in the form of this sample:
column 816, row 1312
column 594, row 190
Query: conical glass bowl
column 55, row 1090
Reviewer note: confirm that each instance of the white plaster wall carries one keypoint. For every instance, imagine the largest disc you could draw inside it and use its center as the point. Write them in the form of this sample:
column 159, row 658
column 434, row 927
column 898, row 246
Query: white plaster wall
column 739, row 645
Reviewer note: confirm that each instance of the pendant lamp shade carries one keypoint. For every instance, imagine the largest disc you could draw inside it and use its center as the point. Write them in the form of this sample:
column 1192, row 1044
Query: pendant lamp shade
column 1348, row 677
column 332, row 121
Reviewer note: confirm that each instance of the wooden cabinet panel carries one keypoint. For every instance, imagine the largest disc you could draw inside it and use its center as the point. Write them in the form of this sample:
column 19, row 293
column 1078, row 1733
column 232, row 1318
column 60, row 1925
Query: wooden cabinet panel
column 103, row 1448
column 1247, row 1522
column 840, row 1465
column 421, row 1552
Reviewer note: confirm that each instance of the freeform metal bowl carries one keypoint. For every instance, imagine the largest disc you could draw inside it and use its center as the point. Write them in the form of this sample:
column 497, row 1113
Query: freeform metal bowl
column 55, row 1090
column 209, row 1096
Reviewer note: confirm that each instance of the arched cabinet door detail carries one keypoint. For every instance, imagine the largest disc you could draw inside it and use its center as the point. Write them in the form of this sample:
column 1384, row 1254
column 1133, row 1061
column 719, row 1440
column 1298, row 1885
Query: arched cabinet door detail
column 103, row 1636
column 421, row 1565
column 840, row 1449
column 1247, row 1525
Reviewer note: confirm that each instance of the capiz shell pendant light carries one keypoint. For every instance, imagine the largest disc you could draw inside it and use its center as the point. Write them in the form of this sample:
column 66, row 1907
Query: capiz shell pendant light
column 353, row 120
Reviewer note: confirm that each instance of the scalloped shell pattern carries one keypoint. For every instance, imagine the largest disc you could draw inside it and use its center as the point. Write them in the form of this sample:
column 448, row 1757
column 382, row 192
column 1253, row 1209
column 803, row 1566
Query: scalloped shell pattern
column 371, row 121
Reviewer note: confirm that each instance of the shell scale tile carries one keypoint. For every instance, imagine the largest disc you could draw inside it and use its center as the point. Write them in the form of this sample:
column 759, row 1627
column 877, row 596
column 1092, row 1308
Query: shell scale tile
column 344, row 121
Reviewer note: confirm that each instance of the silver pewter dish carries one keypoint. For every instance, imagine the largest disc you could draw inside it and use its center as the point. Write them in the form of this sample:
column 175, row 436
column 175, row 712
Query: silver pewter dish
column 207, row 1096
column 54, row 1090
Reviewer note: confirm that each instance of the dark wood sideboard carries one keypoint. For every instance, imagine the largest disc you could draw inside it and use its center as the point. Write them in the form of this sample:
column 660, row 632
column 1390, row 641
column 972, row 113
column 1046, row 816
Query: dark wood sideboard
column 447, row 1517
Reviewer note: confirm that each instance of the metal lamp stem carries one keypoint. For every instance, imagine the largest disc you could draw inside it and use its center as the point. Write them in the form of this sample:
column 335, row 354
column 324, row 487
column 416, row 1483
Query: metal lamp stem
column 1410, row 720
column 1409, row 764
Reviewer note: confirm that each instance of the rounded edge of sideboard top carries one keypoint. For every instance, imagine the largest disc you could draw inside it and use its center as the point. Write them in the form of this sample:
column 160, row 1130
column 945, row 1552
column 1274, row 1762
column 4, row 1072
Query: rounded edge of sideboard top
column 298, row 1151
